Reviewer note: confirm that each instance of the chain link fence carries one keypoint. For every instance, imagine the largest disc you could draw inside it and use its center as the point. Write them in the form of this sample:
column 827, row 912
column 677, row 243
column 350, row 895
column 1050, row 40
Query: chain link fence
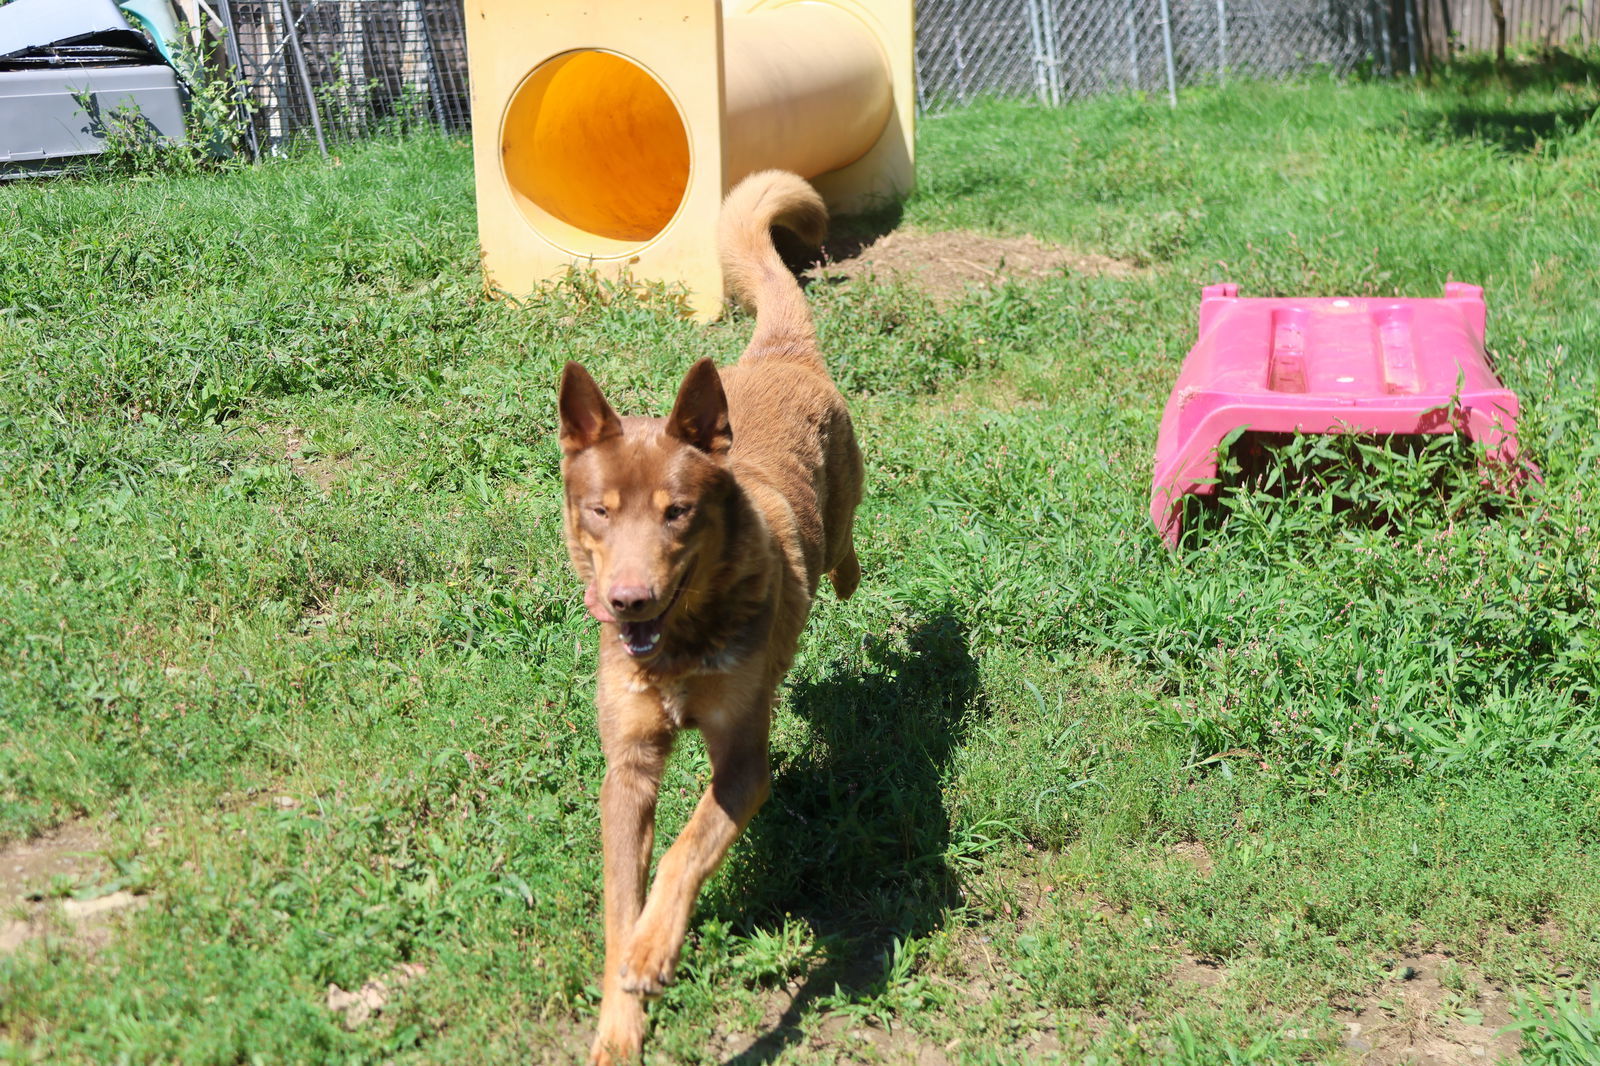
column 1059, row 50
column 332, row 69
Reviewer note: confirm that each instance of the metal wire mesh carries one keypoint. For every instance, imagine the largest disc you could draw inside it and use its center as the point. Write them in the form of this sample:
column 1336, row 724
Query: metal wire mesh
column 1057, row 50
column 348, row 68
column 337, row 69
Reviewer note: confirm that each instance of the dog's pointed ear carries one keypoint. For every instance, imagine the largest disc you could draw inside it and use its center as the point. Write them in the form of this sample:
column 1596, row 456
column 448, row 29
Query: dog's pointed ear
column 700, row 416
column 586, row 417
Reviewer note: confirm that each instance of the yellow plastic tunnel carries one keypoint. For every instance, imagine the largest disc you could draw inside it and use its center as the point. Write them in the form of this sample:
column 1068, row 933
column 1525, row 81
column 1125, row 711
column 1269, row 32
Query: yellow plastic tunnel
column 606, row 135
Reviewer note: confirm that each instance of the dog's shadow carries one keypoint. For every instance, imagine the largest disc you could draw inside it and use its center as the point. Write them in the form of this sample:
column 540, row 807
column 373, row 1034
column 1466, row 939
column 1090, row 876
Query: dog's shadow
column 855, row 837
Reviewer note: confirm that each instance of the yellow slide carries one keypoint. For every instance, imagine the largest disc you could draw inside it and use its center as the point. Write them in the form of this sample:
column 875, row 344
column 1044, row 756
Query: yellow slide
column 606, row 131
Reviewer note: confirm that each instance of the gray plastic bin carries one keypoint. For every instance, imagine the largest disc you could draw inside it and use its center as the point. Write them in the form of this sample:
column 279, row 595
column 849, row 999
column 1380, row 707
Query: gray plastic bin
column 41, row 120
column 54, row 51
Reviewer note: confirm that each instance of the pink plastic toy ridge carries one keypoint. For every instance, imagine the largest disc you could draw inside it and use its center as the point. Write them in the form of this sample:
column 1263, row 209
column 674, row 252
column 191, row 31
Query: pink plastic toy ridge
column 1326, row 366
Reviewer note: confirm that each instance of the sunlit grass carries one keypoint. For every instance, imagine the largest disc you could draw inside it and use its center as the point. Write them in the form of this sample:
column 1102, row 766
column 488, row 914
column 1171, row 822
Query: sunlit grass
column 279, row 492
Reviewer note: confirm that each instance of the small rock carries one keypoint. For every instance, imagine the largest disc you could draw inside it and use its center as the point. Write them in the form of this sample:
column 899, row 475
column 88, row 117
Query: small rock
column 286, row 803
column 359, row 1006
column 80, row 910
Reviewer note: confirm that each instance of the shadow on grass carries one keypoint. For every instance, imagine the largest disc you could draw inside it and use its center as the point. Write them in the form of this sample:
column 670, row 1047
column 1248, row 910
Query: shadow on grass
column 855, row 837
column 1515, row 130
column 1543, row 69
column 1512, row 125
column 1351, row 481
column 847, row 237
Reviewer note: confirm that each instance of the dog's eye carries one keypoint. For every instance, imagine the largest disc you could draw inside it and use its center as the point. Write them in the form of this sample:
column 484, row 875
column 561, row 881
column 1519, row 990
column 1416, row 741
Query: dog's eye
column 599, row 512
column 677, row 511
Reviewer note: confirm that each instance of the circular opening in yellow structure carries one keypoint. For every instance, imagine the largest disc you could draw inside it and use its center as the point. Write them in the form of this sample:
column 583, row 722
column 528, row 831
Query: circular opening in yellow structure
column 595, row 152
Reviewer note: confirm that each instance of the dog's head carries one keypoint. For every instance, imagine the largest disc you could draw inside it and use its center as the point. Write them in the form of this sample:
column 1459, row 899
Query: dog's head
column 644, row 499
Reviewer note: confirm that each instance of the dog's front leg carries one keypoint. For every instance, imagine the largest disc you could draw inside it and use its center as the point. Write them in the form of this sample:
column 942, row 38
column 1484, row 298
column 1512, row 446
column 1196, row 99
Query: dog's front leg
column 627, row 830
column 740, row 784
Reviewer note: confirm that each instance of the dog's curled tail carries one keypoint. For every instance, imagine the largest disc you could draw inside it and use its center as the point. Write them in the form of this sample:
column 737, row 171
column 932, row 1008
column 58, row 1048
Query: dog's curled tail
column 755, row 272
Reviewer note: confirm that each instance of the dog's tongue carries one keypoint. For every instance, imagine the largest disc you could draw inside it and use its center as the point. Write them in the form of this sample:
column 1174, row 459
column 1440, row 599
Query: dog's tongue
column 641, row 638
column 591, row 600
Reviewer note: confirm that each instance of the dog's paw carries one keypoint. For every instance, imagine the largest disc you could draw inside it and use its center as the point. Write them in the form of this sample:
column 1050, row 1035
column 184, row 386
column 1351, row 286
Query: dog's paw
column 846, row 576
column 648, row 963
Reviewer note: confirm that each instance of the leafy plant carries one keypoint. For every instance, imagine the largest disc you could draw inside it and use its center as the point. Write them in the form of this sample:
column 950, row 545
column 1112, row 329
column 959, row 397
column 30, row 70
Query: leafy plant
column 216, row 121
column 1561, row 1031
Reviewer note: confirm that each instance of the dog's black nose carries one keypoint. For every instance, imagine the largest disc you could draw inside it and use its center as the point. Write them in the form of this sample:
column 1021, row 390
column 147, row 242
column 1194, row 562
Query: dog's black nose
column 626, row 599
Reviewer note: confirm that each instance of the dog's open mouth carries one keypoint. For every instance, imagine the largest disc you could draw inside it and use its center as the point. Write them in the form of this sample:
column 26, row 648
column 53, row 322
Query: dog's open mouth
column 642, row 638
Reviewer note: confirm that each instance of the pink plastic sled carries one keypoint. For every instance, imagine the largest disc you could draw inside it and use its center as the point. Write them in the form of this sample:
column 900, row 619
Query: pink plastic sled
column 1326, row 366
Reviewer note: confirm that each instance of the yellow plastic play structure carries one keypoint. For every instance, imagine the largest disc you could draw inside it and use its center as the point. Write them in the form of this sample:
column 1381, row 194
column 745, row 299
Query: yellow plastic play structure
column 605, row 132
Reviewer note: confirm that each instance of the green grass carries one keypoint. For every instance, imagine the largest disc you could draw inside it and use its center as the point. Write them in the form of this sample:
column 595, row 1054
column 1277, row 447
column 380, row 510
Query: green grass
column 1564, row 1032
column 1371, row 699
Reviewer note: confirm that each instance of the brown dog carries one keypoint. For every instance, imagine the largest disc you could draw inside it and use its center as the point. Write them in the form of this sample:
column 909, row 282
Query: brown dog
column 701, row 538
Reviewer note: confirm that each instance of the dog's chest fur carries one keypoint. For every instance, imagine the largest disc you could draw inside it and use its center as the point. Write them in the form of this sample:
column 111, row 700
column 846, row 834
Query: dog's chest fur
column 672, row 694
column 696, row 701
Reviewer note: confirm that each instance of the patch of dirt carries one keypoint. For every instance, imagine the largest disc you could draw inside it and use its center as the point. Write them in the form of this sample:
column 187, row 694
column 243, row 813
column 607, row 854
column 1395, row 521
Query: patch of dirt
column 360, row 1006
column 288, row 445
column 320, row 471
column 791, row 1020
column 558, row 1041
column 1200, row 972
column 32, row 870
column 844, row 1038
column 852, row 1040
column 945, row 264
column 319, row 620
column 28, row 866
column 1195, row 854
column 1432, row 1011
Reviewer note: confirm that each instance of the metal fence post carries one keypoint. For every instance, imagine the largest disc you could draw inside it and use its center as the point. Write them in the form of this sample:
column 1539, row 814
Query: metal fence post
column 1411, row 35
column 305, row 75
column 1036, row 38
column 435, row 85
column 961, row 68
column 1222, row 42
column 1166, row 44
column 236, row 74
column 1133, row 49
column 1383, row 35
column 1044, row 68
column 1052, row 69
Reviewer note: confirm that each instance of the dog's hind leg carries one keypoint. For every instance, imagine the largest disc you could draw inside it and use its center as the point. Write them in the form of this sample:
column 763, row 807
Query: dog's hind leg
column 627, row 829
column 740, row 783
column 845, row 475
